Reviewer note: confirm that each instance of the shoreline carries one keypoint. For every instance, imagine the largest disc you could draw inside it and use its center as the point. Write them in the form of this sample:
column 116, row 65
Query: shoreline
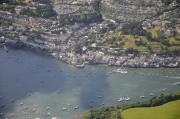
column 155, row 101
column 94, row 58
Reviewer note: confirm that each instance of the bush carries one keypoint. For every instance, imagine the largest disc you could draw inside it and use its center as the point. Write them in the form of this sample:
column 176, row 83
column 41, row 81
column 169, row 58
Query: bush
column 165, row 42
column 131, row 51
column 154, row 35
column 167, row 2
column 86, row 18
column 115, row 112
column 78, row 48
column 140, row 42
column 40, row 11
column 133, row 28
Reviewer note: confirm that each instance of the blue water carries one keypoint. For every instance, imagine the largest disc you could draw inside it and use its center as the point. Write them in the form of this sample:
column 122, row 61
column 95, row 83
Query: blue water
column 32, row 85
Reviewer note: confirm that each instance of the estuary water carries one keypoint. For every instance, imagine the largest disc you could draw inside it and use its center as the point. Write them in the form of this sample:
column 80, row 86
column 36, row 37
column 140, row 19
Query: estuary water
column 33, row 86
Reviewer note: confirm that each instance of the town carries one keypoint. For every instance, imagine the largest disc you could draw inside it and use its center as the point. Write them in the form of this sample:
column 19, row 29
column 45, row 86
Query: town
column 78, row 33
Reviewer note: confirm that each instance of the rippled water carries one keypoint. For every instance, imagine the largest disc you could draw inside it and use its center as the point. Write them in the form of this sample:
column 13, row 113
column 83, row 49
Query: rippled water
column 37, row 86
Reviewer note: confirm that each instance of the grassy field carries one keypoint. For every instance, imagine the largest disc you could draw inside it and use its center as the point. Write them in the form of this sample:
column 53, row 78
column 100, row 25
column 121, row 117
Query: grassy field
column 169, row 110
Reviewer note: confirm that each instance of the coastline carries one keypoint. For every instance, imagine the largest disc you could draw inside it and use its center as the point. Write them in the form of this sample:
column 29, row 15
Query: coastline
column 116, row 111
column 93, row 58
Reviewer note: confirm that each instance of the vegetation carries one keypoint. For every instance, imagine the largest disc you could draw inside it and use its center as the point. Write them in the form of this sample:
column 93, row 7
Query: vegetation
column 167, row 2
column 96, row 5
column 18, row 2
column 166, row 111
column 152, row 41
column 40, row 11
column 44, row 11
column 86, row 18
column 130, row 38
column 133, row 28
column 78, row 48
column 104, row 113
column 108, row 13
column 9, row 8
column 115, row 112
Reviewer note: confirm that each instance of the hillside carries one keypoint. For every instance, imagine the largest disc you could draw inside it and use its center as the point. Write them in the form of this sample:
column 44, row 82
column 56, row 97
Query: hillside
column 94, row 31
column 166, row 111
column 153, row 109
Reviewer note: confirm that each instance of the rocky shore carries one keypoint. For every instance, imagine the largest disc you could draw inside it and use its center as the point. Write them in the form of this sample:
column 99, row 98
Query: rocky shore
column 141, row 61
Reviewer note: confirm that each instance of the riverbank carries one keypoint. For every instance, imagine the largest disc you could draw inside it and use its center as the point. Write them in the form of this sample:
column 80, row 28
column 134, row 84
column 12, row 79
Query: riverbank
column 118, row 111
column 91, row 57
column 169, row 110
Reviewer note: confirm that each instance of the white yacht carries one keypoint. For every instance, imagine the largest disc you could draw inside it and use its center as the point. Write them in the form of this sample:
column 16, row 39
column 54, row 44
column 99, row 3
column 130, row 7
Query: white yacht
column 120, row 70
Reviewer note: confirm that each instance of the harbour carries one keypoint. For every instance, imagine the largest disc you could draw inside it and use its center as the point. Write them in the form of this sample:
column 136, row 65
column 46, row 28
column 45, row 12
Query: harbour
column 42, row 87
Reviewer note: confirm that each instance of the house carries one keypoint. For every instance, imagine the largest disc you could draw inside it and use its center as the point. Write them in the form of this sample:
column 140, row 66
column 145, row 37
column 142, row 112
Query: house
column 18, row 9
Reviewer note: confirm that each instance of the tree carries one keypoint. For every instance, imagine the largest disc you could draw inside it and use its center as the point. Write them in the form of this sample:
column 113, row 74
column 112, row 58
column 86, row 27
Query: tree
column 167, row 2
column 78, row 48
column 131, row 51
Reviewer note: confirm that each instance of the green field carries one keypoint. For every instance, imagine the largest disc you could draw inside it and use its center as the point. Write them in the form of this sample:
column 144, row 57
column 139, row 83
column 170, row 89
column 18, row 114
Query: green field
column 169, row 110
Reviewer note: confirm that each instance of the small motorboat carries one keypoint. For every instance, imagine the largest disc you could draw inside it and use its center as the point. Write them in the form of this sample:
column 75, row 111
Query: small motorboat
column 100, row 96
column 76, row 107
column 120, row 99
column 54, row 117
column 127, row 98
column 21, row 103
column 163, row 89
column 120, row 70
column 48, row 113
column 64, row 109
column 151, row 94
column 102, row 104
column 80, row 65
column 176, row 83
column 47, row 108
column 142, row 96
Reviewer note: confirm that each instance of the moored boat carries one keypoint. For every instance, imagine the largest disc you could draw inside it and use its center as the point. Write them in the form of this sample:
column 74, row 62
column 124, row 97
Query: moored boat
column 142, row 96
column 80, row 65
column 76, row 107
column 120, row 70
column 64, row 109
column 124, row 99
